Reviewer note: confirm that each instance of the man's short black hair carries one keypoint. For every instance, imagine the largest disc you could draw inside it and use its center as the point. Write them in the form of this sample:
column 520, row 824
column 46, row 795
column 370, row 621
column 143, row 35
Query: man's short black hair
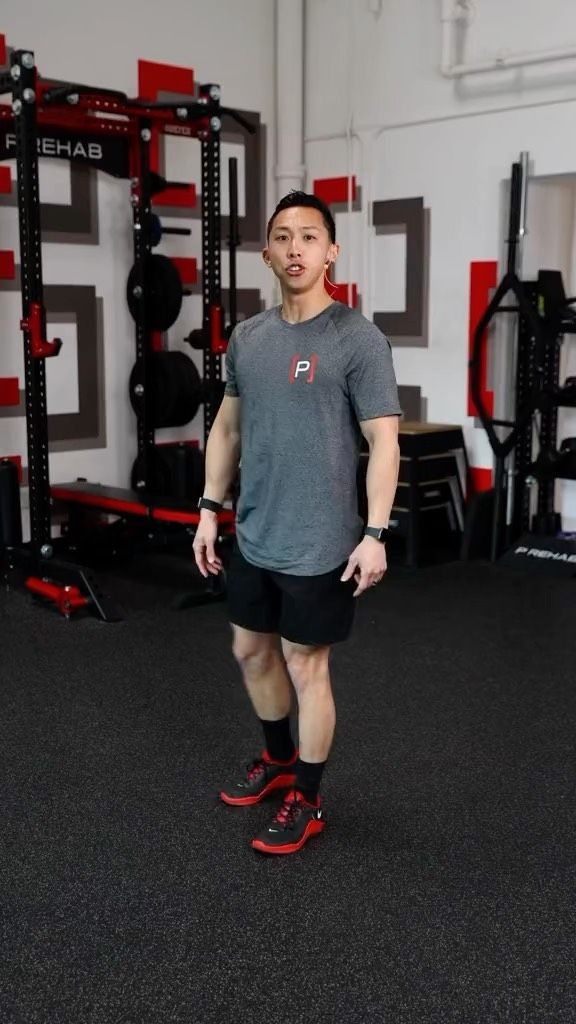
column 296, row 198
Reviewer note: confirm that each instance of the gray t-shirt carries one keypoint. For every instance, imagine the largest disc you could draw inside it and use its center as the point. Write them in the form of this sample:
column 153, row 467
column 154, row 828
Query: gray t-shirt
column 303, row 390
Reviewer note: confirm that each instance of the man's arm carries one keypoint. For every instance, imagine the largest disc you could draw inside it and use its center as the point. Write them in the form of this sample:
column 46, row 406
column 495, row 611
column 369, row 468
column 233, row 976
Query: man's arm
column 383, row 467
column 223, row 450
column 222, row 461
column 367, row 563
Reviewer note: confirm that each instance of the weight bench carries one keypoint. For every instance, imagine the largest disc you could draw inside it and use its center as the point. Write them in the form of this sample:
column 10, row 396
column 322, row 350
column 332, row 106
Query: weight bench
column 143, row 523
column 134, row 504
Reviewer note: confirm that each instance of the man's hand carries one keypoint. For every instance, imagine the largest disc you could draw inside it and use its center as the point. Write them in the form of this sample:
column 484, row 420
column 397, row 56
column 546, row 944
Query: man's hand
column 367, row 564
column 204, row 545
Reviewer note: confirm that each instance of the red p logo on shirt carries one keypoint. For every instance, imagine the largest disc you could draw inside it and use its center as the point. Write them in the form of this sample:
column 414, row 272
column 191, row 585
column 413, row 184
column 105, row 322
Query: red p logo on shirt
column 299, row 367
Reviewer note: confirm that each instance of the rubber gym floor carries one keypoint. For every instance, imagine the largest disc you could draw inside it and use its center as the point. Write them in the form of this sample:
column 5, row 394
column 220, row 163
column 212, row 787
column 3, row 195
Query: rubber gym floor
column 442, row 890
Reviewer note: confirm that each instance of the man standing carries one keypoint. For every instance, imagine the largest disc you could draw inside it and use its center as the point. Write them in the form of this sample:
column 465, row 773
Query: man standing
column 304, row 380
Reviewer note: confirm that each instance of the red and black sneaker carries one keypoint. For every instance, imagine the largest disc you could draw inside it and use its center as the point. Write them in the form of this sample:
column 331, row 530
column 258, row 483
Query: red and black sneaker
column 262, row 776
column 295, row 823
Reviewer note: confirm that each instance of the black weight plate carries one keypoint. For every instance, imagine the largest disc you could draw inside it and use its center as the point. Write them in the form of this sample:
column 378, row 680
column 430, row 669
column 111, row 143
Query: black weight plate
column 165, row 289
column 187, row 470
column 186, row 388
column 176, row 389
column 162, row 292
column 160, row 398
column 152, row 225
column 160, row 480
column 176, row 471
column 197, row 475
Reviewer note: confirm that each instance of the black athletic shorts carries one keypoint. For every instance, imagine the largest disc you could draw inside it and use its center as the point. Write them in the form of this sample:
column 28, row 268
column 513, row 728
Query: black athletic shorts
column 310, row 610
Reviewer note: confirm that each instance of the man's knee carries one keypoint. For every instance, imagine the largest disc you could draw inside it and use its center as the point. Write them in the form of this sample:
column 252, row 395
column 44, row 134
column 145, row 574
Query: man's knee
column 254, row 651
column 307, row 666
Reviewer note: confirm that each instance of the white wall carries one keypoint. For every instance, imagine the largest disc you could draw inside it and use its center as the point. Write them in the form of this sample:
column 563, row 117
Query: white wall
column 223, row 41
column 384, row 68
column 377, row 106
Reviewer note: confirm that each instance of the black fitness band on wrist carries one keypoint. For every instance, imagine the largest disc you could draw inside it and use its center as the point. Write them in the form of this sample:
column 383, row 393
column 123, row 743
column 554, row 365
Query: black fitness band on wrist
column 380, row 533
column 211, row 506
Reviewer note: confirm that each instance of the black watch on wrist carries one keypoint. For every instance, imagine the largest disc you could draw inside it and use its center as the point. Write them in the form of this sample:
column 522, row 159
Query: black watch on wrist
column 211, row 506
column 380, row 533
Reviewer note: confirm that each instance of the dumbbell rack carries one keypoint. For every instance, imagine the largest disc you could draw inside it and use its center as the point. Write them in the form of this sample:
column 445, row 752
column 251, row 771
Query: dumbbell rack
column 70, row 108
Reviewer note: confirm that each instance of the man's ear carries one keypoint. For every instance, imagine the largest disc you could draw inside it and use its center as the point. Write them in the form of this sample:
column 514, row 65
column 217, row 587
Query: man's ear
column 266, row 257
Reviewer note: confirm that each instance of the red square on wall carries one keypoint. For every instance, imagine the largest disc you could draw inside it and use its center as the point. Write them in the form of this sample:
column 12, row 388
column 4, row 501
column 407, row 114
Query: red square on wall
column 9, row 391
column 7, row 265
column 5, row 180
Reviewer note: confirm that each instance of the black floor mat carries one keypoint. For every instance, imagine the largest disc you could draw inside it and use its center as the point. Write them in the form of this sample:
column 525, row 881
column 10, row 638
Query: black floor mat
column 442, row 889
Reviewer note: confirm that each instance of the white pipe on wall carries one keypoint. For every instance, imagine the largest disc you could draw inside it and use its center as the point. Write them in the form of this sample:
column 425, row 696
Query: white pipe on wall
column 503, row 61
column 454, row 11
column 289, row 171
column 459, row 115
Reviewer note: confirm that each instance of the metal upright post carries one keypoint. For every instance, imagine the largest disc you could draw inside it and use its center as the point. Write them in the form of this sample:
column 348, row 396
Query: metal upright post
column 522, row 229
column 233, row 237
column 514, row 217
column 547, row 522
column 518, row 494
column 211, row 256
column 525, row 371
column 23, row 73
column 503, row 496
column 497, row 518
column 141, row 202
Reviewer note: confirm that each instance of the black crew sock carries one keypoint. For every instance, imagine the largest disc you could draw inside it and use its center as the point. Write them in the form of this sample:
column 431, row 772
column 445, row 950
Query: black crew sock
column 308, row 778
column 278, row 739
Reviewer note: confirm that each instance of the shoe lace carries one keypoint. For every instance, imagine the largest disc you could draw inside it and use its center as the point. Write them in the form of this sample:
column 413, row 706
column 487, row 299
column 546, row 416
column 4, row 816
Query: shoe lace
column 289, row 811
column 255, row 768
